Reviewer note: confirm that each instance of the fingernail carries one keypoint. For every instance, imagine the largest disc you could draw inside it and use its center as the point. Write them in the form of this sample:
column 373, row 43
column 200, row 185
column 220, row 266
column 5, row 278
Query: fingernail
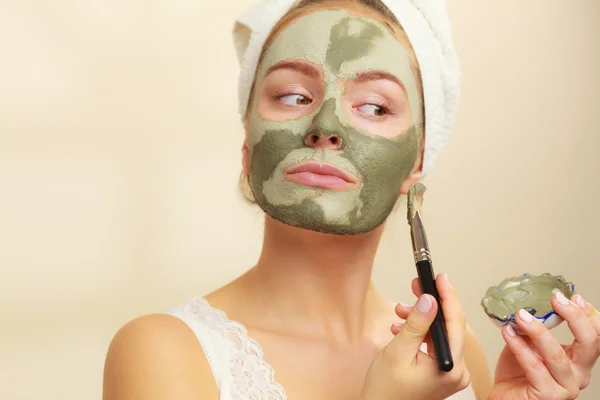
column 511, row 332
column 580, row 301
column 398, row 324
column 405, row 305
column 424, row 304
column 562, row 299
column 525, row 316
column 447, row 279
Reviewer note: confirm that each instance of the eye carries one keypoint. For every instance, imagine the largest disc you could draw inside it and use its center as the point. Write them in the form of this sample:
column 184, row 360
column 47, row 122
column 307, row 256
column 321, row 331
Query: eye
column 373, row 109
column 295, row 100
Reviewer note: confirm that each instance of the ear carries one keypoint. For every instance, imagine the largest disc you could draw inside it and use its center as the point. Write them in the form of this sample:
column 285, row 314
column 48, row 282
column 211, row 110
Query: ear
column 417, row 172
column 246, row 157
column 410, row 180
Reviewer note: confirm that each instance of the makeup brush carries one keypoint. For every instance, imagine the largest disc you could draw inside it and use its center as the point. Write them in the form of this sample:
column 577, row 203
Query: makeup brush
column 424, row 265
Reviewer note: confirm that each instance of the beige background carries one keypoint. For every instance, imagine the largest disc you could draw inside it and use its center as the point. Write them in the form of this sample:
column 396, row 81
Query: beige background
column 120, row 149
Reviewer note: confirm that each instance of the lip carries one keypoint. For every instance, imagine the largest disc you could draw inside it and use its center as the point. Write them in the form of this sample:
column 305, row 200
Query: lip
column 323, row 175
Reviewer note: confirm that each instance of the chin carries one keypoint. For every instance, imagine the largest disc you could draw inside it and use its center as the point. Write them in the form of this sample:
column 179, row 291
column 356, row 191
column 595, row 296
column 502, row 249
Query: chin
column 318, row 225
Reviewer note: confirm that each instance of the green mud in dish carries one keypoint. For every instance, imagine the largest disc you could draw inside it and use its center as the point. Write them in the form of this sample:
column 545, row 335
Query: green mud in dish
column 529, row 292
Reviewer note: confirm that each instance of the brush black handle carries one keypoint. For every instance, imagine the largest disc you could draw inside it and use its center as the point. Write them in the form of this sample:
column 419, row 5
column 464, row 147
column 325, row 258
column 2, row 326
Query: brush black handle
column 438, row 333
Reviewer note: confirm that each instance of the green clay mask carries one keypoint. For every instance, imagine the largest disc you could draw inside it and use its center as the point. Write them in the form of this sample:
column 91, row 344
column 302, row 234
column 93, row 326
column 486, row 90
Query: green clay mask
column 530, row 292
column 342, row 46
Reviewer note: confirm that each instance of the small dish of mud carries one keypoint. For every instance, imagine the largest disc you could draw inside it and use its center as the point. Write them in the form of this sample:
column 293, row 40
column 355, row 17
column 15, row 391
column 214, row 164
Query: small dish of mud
column 529, row 292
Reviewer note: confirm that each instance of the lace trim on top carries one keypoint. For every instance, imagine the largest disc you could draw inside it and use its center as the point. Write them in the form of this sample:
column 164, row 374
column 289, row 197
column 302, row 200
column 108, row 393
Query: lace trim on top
column 251, row 376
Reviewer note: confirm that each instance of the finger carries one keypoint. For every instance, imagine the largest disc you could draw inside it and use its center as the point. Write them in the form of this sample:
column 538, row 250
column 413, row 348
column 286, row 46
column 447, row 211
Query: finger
column 583, row 372
column 533, row 366
column 455, row 319
column 551, row 352
column 405, row 346
column 430, row 349
column 456, row 322
column 589, row 310
column 416, row 287
column 402, row 310
column 395, row 328
column 585, row 345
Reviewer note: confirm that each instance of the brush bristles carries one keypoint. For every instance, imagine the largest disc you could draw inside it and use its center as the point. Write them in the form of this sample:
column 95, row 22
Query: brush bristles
column 415, row 199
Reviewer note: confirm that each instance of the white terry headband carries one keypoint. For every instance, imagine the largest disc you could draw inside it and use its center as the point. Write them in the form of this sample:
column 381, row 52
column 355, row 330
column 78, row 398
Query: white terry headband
column 427, row 26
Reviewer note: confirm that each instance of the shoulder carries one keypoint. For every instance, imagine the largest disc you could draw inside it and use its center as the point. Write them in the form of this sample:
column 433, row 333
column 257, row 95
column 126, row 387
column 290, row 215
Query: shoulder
column 481, row 379
column 156, row 357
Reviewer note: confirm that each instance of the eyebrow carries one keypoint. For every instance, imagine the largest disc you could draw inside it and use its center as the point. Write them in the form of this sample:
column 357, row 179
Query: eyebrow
column 311, row 72
column 375, row 76
column 296, row 66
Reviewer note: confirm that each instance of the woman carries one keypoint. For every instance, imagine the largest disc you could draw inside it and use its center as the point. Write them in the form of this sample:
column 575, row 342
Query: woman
column 344, row 110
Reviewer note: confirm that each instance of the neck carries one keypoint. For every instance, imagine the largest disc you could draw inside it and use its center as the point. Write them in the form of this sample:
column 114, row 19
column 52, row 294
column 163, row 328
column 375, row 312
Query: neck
column 317, row 281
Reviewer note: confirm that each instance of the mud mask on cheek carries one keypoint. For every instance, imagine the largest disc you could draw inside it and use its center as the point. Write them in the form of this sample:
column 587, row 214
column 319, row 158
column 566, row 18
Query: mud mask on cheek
column 342, row 45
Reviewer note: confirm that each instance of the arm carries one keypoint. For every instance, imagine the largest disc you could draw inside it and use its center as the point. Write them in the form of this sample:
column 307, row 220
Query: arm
column 157, row 357
column 481, row 379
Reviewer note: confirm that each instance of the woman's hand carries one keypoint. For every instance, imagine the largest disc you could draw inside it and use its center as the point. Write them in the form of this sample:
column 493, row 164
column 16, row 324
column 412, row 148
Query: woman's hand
column 536, row 366
column 402, row 371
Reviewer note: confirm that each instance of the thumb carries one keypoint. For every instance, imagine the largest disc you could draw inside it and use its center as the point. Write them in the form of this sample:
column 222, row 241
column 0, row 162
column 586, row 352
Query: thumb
column 411, row 336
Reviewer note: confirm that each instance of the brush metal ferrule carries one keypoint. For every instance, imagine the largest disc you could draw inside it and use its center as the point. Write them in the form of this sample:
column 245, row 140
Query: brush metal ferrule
column 419, row 239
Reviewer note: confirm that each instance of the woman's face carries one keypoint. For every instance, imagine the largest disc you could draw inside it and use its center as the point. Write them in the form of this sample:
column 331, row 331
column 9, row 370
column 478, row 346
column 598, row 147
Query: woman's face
column 333, row 126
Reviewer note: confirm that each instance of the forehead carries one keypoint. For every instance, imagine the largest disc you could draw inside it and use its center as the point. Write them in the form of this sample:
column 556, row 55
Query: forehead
column 340, row 42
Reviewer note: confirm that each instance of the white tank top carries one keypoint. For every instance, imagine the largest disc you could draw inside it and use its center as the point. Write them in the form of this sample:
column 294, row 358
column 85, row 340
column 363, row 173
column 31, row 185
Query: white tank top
column 235, row 359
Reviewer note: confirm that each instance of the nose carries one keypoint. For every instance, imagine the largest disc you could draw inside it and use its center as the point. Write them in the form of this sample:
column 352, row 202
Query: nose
column 323, row 142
